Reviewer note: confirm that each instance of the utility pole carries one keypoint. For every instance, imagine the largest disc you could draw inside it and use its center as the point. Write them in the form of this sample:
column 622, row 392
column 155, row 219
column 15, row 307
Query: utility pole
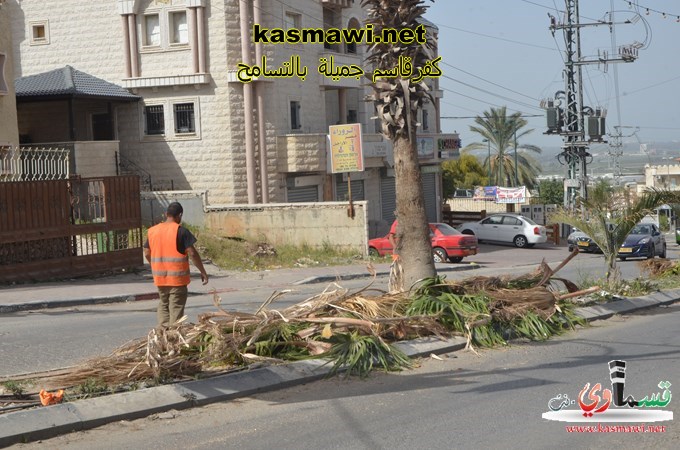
column 579, row 125
column 616, row 149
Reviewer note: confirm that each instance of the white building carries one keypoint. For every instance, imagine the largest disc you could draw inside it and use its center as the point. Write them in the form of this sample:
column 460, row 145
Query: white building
column 190, row 127
column 662, row 177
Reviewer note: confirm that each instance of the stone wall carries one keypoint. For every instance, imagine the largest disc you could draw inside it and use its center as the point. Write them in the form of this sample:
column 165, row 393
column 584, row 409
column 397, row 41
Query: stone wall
column 154, row 205
column 313, row 224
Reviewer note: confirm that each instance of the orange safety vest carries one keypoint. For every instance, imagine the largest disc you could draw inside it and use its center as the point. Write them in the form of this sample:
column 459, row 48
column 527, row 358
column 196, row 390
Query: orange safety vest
column 168, row 266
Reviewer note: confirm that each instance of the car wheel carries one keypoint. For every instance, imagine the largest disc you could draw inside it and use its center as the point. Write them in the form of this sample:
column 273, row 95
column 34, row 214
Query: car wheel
column 663, row 252
column 373, row 253
column 455, row 259
column 520, row 241
column 652, row 252
column 439, row 255
column 622, row 258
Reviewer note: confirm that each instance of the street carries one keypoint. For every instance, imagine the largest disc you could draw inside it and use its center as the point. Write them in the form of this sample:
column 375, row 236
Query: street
column 54, row 338
column 494, row 400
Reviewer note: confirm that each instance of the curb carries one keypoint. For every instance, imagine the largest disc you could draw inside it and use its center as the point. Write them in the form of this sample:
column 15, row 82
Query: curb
column 123, row 298
column 50, row 421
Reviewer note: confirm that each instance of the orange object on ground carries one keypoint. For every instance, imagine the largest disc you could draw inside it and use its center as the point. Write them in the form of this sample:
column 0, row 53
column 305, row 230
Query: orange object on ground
column 395, row 257
column 48, row 398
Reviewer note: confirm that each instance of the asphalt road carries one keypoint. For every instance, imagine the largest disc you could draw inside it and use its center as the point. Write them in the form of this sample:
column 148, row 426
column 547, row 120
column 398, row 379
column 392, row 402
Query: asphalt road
column 494, row 400
column 55, row 338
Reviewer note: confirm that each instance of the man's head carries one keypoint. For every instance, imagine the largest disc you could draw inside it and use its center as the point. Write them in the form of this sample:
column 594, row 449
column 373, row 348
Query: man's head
column 174, row 212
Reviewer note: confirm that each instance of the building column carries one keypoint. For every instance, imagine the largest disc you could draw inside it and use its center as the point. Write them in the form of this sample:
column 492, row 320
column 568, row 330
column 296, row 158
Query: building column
column 261, row 127
column 200, row 32
column 248, row 103
column 126, row 46
column 193, row 37
column 134, row 51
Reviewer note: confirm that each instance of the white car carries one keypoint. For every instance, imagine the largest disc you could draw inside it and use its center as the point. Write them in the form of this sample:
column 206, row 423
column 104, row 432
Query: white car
column 514, row 228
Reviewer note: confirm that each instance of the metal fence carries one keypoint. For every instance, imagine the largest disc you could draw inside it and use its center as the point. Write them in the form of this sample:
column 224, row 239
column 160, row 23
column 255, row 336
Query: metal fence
column 34, row 163
column 74, row 227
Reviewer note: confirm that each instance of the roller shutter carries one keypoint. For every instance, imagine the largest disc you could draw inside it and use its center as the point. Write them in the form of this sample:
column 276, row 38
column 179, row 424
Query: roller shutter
column 430, row 196
column 341, row 190
column 303, row 194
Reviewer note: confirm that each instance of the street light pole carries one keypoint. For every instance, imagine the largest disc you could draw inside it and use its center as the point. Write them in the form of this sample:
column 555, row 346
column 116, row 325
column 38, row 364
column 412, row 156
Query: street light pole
column 488, row 159
column 516, row 182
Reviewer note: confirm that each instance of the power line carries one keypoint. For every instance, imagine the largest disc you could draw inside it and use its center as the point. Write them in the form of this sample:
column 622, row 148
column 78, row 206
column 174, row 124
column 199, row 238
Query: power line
column 440, row 25
column 526, row 105
column 490, row 82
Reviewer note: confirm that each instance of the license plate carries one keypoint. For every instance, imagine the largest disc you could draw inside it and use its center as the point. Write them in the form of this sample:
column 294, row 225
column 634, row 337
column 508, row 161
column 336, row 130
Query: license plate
column 583, row 244
column 625, row 250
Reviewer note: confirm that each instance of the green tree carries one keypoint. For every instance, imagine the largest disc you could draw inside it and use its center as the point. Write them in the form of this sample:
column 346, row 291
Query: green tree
column 397, row 101
column 602, row 192
column 463, row 173
column 551, row 191
column 609, row 219
column 503, row 132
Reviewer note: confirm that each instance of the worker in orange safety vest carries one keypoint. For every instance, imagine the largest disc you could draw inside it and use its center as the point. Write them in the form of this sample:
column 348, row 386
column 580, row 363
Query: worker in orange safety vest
column 168, row 249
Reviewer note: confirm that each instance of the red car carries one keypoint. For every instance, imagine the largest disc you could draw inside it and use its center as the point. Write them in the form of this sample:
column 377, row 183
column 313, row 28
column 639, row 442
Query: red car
column 447, row 244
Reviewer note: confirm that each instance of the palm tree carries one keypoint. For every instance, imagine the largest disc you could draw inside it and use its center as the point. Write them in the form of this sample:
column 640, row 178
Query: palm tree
column 503, row 132
column 397, row 101
column 609, row 219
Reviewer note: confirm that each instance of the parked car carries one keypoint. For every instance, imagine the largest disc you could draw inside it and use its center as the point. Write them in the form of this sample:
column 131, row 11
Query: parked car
column 447, row 244
column 644, row 240
column 677, row 235
column 508, row 227
column 584, row 243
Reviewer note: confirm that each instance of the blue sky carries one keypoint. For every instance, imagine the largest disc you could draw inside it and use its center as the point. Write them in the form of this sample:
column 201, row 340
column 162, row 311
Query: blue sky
column 501, row 46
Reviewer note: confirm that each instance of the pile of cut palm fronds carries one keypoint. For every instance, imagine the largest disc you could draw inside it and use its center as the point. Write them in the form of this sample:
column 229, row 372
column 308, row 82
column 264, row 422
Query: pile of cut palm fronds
column 353, row 330
column 661, row 267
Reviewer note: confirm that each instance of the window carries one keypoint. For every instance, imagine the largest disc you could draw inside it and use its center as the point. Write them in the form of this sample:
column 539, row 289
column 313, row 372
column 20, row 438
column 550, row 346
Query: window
column 426, row 125
column 295, row 115
column 493, row 220
column 292, row 20
column 170, row 119
column 507, row 220
column 352, row 116
column 184, row 118
column 179, row 33
column 154, row 120
column 40, row 32
column 152, row 30
column 3, row 84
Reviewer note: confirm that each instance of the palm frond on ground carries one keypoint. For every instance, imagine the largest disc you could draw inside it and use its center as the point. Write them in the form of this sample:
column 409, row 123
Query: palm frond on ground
column 354, row 331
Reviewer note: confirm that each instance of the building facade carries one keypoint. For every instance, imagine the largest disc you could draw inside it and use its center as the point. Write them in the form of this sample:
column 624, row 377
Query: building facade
column 196, row 126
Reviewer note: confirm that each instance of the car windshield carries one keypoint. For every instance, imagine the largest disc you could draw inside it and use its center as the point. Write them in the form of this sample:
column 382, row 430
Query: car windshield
column 641, row 229
column 446, row 230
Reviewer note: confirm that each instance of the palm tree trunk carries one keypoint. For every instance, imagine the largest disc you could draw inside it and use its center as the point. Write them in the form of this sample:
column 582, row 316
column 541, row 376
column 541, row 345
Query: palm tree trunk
column 414, row 245
column 612, row 275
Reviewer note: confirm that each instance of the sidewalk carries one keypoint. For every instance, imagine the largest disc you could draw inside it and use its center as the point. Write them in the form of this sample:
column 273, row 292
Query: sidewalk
column 136, row 286
column 50, row 421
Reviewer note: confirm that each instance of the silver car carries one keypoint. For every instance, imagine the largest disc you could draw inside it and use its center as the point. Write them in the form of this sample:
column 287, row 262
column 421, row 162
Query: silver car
column 508, row 227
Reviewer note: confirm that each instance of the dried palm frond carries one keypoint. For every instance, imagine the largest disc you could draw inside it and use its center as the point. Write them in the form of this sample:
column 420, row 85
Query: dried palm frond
column 659, row 267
